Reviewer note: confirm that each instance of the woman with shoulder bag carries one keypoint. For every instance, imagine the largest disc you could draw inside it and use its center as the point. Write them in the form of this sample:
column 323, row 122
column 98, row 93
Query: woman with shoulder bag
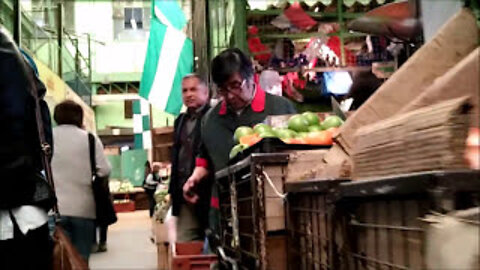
column 73, row 175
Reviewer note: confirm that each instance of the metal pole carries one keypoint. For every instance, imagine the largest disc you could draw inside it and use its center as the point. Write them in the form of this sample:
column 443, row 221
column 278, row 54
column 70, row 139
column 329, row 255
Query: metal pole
column 240, row 30
column 60, row 37
column 342, row 32
column 17, row 23
column 152, row 150
column 89, row 58
column 77, row 56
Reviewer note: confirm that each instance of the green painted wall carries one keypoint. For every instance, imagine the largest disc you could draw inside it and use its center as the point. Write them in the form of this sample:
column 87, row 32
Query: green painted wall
column 116, row 163
column 133, row 166
column 112, row 114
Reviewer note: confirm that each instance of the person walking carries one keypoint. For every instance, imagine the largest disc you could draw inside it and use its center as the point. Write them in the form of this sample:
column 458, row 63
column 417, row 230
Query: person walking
column 150, row 186
column 192, row 221
column 73, row 175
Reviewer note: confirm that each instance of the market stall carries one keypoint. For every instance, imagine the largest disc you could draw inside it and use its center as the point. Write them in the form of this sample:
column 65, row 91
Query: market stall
column 310, row 50
column 366, row 201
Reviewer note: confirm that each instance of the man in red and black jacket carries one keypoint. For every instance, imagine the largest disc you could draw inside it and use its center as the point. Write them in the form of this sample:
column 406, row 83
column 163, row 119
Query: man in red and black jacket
column 243, row 103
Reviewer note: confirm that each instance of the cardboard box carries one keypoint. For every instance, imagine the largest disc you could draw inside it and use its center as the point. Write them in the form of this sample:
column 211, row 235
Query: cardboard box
column 426, row 139
column 454, row 41
column 461, row 80
column 338, row 164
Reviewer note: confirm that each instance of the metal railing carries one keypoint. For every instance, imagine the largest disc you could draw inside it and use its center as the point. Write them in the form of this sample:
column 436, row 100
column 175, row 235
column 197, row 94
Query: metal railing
column 69, row 62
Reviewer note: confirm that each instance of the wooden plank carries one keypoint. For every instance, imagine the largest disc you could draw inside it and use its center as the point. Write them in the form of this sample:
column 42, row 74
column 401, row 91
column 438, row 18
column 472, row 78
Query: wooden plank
column 277, row 252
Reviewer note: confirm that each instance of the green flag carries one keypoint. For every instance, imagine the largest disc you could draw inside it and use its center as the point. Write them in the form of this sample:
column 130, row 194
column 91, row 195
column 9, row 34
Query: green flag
column 169, row 57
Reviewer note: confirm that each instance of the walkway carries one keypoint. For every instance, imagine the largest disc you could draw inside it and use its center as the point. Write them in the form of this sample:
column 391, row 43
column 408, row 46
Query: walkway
column 129, row 246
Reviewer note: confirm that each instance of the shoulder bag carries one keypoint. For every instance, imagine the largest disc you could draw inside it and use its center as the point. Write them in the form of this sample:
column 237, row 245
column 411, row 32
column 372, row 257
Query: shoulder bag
column 103, row 201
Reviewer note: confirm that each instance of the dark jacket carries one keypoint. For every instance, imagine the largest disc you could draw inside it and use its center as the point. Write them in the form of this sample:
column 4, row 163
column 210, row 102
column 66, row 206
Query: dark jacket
column 220, row 124
column 20, row 153
column 218, row 128
column 176, row 182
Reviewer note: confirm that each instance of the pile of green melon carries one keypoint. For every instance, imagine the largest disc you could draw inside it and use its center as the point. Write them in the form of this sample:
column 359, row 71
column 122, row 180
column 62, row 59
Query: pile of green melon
column 305, row 128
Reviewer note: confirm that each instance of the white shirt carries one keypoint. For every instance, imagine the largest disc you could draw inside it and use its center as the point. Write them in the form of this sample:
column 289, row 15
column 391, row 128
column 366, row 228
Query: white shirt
column 150, row 180
column 28, row 217
column 72, row 173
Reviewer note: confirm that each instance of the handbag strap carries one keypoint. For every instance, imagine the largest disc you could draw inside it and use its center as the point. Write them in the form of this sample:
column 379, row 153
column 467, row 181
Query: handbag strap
column 91, row 147
column 44, row 145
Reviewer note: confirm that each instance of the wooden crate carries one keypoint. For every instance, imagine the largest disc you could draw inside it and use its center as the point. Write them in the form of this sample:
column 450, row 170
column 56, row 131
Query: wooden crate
column 302, row 165
column 383, row 217
column 277, row 252
column 251, row 195
column 164, row 256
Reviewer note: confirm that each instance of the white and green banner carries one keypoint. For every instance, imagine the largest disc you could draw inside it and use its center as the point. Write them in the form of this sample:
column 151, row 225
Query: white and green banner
column 141, row 124
column 169, row 57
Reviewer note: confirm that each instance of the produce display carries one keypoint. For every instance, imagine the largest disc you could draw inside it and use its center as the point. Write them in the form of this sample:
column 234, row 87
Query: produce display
column 162, row 198
column 120, row 186
column 305, row 128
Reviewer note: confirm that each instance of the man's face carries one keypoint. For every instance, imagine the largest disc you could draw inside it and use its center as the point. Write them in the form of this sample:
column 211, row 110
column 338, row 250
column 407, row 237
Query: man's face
column 236, row 91
column 194, row 93
column 156, row 168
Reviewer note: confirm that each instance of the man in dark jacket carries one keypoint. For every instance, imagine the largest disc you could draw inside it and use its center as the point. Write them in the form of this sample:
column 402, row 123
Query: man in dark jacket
column 243, row 104
column 192, row 221
column 24, row 235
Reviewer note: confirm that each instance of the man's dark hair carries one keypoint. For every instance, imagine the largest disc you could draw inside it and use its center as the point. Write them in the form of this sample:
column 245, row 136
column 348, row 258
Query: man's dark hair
column 228, row 62
column 68, row 113
column 195, row 75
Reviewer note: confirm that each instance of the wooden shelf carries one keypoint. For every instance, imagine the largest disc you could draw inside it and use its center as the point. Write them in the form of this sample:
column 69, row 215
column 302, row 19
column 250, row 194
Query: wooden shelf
column 314, row 15
column 274, row 12
column 162, row 145
column 325, row 69
column 296, row 36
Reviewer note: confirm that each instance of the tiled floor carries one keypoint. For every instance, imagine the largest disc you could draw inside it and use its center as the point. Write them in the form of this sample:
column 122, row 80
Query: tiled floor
column 129, row 246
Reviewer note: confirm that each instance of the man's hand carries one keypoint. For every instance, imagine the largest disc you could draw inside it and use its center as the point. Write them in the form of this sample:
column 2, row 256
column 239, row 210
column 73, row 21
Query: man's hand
column 188, row 188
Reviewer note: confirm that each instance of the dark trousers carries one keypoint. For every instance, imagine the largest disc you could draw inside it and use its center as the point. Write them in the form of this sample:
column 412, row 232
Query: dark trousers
column 30, row 252
column 102, row 231
column 151, row 201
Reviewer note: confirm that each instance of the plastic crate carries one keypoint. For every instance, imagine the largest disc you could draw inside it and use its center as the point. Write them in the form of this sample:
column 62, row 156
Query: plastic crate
column 310, row 224
column 188, row 256
column 382, row 218
column 126, row 206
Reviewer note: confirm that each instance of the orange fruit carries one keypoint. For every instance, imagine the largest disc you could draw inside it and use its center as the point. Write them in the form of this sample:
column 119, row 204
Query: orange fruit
column 319, row 138
column 250, row 139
